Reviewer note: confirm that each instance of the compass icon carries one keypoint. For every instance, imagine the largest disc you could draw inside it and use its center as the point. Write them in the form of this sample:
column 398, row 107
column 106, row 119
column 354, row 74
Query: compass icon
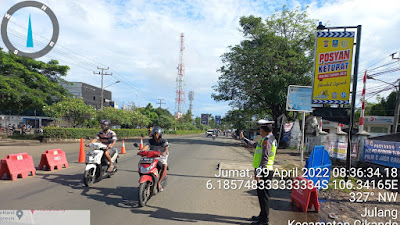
column 48, row 47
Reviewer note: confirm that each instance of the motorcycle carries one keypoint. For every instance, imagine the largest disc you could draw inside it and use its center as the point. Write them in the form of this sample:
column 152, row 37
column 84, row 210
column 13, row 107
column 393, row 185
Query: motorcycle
column 149, row 171
column 213, row 137
column 97, row 165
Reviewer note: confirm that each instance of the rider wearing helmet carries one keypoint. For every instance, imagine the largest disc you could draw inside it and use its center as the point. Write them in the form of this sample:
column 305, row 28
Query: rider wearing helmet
column 157, row 143
column 106, row 137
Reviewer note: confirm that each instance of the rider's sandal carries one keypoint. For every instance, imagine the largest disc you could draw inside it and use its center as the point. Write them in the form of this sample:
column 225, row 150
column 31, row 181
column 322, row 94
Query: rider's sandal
column 112, row 169
column 161, row 189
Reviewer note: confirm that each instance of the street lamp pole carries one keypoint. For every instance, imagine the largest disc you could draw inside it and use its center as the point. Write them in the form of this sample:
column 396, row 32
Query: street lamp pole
column 113, row 84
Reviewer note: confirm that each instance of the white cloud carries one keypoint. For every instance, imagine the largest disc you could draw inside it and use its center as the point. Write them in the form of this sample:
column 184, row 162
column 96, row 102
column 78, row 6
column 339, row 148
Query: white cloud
column 139, row 40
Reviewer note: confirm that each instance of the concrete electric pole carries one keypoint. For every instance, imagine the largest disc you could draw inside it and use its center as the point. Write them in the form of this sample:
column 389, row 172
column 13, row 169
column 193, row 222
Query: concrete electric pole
column 102, row 79
column 160, row 102
column 396, row 111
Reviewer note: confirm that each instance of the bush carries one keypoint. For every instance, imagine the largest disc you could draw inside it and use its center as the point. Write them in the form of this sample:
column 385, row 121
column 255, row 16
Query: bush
column 26, row 137
column 76, row 133
column 183, row 132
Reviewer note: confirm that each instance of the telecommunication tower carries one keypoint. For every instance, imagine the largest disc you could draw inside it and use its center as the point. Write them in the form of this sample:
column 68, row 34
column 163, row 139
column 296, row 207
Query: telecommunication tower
column 180, row 92
column 191, row 98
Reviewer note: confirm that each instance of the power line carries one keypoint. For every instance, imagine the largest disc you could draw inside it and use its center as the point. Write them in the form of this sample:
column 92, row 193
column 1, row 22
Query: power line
column 85, row 63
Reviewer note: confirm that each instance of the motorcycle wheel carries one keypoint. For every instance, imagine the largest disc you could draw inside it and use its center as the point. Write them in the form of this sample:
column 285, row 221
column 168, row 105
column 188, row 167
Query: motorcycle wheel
column 88, row 178
column 144, row 193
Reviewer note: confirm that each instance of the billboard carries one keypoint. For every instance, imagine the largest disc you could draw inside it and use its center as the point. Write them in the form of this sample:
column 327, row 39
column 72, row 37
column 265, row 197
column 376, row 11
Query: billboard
column 382, row 152
column 204, row 119
column 217, row 120
column 332, row 67
column 299, row 99
column 379, row 120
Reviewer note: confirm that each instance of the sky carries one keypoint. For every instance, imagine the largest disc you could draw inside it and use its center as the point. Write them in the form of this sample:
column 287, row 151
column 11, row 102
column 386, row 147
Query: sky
column 139, row 40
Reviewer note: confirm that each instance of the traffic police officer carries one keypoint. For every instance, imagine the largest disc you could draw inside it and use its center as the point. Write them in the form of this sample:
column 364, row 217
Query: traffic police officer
column 263, row 162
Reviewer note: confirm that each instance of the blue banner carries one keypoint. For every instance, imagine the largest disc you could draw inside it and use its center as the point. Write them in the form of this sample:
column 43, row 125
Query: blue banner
column 385, row 153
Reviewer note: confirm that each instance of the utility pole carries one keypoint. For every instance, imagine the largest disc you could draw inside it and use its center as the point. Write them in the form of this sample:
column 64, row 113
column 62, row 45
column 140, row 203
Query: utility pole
column 396, row 111
column 102, row 79
column 160, row 102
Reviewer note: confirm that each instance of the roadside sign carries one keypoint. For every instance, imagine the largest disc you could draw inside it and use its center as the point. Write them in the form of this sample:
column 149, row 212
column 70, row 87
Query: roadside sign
column 379, row 120
column 332, row 67
column 204, row 119
column 299, row 98
column 217, row 120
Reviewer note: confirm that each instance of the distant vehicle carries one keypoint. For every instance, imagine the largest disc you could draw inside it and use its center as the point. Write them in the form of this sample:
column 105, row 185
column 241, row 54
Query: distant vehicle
column 209, row 132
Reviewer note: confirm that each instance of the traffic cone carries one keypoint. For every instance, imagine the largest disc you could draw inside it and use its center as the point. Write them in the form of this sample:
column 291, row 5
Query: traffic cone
column 141, row 143
column 123, row 148
column 82, row 158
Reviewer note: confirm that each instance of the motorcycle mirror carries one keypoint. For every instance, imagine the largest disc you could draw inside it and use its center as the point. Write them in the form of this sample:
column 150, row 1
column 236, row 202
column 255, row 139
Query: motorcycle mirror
column 136, row 145
column 87, row 137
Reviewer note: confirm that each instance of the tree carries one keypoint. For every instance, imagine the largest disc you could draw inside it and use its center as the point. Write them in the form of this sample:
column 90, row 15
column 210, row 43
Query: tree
column 123, row 118
column 275, row 53
column 72, row 110
column 166, row 122
column 27, row 84
column 385, row 106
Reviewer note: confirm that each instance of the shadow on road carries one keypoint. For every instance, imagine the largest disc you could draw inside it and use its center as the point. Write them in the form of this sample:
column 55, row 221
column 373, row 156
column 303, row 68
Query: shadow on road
column 123, row 197
column 166, row 214
column 280, row 202
column 202, row 141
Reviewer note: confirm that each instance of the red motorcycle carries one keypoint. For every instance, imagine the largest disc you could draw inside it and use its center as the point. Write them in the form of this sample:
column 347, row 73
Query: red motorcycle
column 149, row 171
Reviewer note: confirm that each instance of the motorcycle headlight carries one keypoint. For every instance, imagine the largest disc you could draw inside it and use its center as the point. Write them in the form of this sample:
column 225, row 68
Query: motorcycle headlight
column 145, row 170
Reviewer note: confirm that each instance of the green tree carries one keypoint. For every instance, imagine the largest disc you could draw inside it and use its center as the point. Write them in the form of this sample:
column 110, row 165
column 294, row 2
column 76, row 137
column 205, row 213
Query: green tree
column 27, row 84
column 123, row 118
column 72, row 110
column 275, row 53
column 385, row 106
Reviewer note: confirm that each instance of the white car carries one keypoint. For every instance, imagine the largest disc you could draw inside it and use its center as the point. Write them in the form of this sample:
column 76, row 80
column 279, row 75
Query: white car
column 209, row 132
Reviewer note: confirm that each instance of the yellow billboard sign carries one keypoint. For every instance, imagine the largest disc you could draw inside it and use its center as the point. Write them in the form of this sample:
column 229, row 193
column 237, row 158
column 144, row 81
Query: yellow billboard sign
column 332, row 67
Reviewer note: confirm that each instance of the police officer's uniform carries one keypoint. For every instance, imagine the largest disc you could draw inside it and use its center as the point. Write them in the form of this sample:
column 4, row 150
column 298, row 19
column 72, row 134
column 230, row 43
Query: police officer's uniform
column 264, row 157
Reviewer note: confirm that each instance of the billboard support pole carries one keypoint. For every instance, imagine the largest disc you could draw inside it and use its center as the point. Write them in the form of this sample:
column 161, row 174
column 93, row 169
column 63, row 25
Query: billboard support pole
column 353, row 93
column 302, row 139
column 353, row 101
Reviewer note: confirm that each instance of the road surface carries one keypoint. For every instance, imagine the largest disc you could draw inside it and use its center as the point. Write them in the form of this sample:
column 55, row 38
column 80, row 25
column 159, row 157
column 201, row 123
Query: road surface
column 193, row 161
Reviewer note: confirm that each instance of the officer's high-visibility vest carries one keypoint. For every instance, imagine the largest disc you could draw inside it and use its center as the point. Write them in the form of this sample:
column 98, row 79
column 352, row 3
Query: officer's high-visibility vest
column 258, row 154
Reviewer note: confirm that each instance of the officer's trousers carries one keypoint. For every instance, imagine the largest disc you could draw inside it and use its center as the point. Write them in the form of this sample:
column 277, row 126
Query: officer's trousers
column 263, row 194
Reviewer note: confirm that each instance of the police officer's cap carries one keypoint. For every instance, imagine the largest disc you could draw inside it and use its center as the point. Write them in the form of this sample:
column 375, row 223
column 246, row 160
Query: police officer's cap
column 263, row 122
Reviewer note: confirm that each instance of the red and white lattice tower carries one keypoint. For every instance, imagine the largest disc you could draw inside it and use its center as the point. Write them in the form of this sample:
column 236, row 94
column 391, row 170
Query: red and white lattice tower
column 180, row 92
column 361, row 123
column 191, row 98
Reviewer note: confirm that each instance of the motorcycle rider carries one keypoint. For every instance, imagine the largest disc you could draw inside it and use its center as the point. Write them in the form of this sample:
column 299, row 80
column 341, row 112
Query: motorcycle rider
column 106, row 137
column 157, row 143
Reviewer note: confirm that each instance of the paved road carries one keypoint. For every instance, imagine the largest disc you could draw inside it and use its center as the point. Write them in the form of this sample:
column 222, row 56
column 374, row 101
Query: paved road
column 193, row 161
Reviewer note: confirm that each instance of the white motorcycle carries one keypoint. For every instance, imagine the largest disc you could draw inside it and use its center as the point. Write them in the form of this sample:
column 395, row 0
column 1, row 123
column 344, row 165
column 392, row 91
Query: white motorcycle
column 97, row 165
